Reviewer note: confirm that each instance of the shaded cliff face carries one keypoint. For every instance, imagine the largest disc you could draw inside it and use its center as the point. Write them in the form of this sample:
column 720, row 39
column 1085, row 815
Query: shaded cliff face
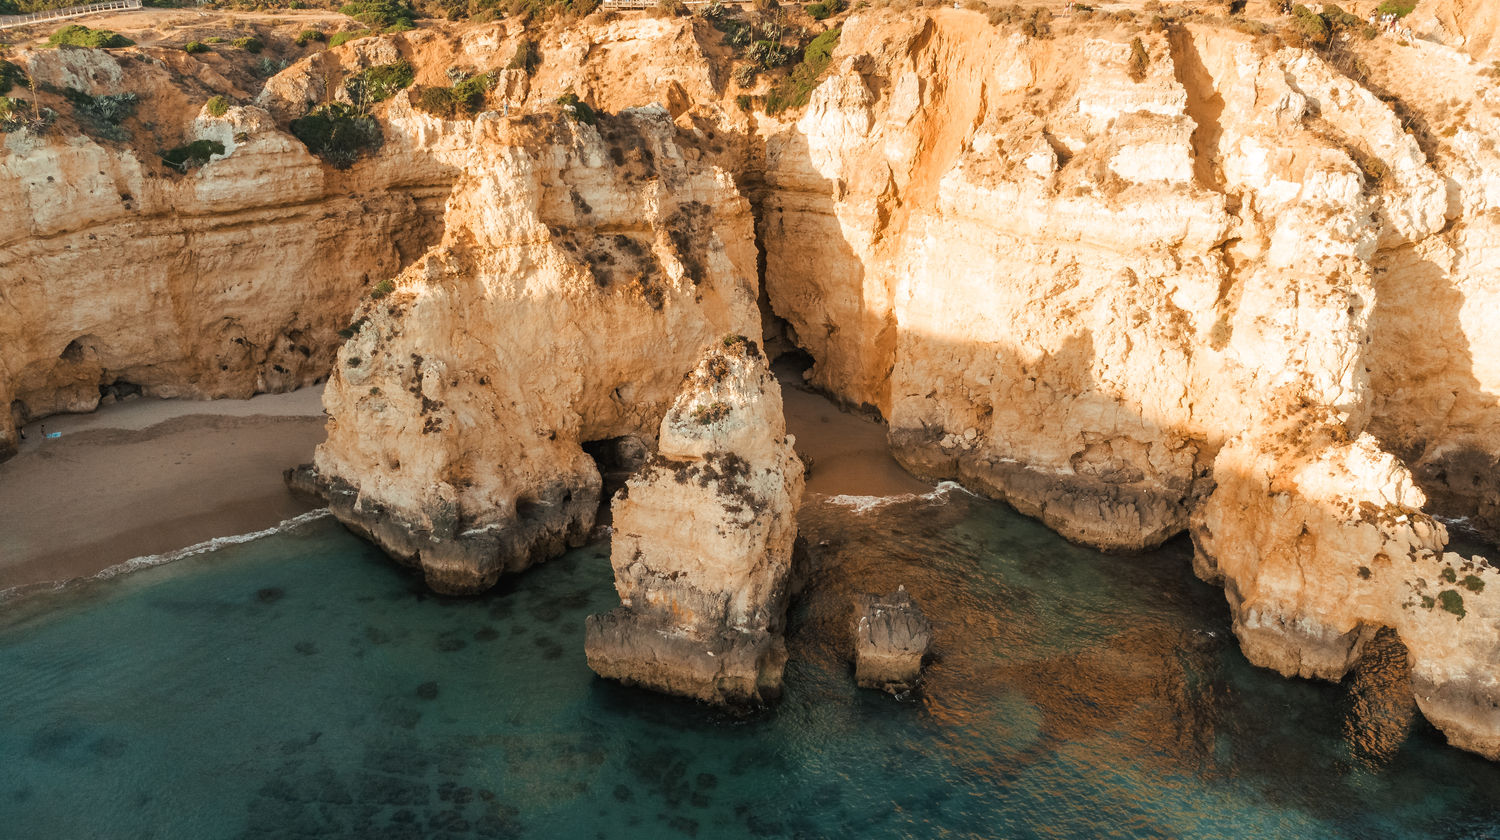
column 702, row 541
column 582, row 269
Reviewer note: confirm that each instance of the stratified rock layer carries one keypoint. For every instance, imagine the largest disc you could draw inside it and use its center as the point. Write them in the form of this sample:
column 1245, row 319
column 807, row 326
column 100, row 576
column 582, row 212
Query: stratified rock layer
column 583, row 268
column 702, row 543
column 1250, row 293
column 1236, row 294
column 890, row 638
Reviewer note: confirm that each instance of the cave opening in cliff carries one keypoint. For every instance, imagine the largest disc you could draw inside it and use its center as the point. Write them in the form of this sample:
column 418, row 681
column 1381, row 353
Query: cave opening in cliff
column 617, row 458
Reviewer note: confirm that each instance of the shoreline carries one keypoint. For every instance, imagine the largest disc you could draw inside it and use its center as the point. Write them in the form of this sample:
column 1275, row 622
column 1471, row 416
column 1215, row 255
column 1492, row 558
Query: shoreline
column 162, row 479
column 149, row 477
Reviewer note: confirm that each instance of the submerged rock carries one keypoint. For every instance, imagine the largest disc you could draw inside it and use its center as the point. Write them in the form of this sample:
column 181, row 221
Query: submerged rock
column 890, row 638
column 702, row 544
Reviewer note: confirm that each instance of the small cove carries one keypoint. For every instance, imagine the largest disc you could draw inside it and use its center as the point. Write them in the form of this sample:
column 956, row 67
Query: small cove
column 302, row 685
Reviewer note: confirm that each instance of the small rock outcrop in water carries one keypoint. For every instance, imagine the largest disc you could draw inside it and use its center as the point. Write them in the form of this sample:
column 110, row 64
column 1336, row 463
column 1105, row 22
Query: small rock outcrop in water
column 890, row 638
column 702, row 542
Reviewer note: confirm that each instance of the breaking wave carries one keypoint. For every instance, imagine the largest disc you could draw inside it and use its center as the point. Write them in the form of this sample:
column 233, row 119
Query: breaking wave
column 137, row 563
column 864, row 504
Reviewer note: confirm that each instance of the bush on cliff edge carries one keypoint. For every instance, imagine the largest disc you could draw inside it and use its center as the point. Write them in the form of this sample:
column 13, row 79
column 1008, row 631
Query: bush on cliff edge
column 82, row 36
column 795, row 89
column 338, row 134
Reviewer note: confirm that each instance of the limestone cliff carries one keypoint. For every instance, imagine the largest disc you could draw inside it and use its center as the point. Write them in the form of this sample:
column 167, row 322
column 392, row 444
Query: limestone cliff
column 582, row 269
column 117, row 272
column 232, row 279
column 702, row 543
column 1235, row 291
column 1238, row 289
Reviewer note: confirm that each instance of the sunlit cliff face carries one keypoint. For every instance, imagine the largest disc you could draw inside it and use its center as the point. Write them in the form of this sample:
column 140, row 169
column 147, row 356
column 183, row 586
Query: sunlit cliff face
column 1240, row 291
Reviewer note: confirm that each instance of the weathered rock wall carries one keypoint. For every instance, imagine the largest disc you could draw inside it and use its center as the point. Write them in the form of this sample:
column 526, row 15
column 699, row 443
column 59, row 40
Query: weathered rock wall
column 702, row 541
column 1219, row 295
column 236, row 277
column 1249, row 294
column 230, row 280
column 581, row 271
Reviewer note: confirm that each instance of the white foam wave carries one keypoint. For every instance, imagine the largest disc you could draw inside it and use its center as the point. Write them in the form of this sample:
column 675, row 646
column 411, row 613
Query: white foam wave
column 865, row 504
column 137, row 563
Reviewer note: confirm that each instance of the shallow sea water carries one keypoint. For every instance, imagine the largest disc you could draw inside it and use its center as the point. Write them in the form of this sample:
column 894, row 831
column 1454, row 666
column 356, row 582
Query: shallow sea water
column 301, row 685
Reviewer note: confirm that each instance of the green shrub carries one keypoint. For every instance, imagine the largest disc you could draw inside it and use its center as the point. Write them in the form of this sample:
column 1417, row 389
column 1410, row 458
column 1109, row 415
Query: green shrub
column 1339, row 20
column 193, row 154
column 1473, row 583
column 464, row 99
column 353, row 329
column 82, row 36
column 101, row 116
column 380, row 82
column 1399, row 8
column 794, row 90
column 381, row 14
column 1139, row 60
column 1452, row 602
column 340, row 38
column 194, row 47
column 249, row 44
column 826, row 9
column 744, row 75
column 527, row 57
column 338, row 133
column 268, row 67
column 19, row 114
column 578, row 109
column 1311, row 27
column 383, row 288
column 307, row 36
column 10, row 76
column 768, row 54
column 217, row 106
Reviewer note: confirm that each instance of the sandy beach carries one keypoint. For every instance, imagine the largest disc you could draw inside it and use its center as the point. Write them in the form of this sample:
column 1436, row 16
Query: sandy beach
column 849, row 453
column 149, row 476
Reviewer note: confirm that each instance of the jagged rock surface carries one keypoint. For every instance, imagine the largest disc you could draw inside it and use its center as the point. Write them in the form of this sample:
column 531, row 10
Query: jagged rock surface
column 702, row 544
column 1251, row 284
column 1224, row 295
column 890, row 638
column 581, row 269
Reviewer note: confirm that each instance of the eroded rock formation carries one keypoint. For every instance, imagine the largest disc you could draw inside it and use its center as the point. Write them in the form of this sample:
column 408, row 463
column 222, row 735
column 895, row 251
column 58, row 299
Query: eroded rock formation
column 230, row 280
column 702, row 543
column 1235, row 293
column 1250, row 293
column 582, row 269
column 890, row 638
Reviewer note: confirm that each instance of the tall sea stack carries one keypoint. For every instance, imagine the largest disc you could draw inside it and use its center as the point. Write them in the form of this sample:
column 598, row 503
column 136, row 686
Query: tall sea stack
column 702, row 542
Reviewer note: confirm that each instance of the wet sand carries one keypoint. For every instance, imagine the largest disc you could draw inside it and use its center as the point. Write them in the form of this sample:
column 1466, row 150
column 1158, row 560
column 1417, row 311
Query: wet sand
column 848, row 452
column 147, row 477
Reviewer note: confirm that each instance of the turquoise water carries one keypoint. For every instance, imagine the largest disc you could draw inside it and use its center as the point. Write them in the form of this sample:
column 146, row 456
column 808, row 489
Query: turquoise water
column 301, row 685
